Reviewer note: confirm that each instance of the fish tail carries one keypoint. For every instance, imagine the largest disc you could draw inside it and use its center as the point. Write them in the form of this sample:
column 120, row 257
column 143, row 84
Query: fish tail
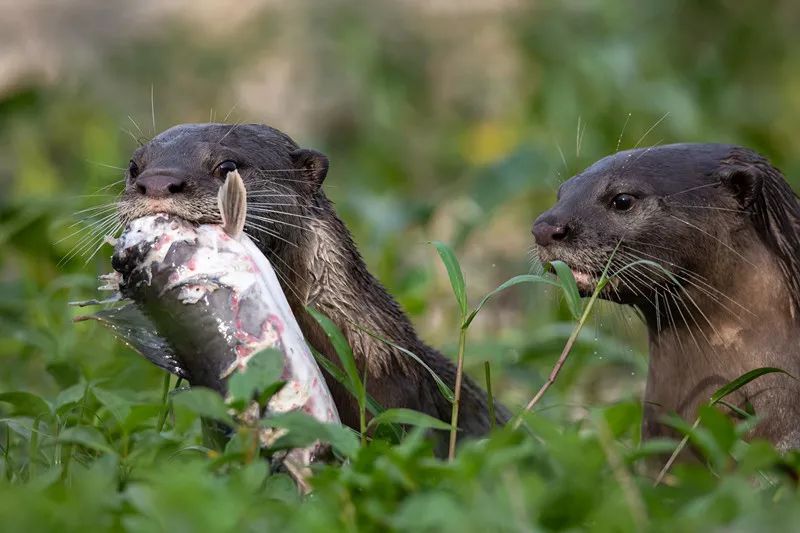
column 232, row 202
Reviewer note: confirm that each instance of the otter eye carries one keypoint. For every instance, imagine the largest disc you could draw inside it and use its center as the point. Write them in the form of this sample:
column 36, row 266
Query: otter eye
column 223, row 168
column 622, row 202
column 133, row 169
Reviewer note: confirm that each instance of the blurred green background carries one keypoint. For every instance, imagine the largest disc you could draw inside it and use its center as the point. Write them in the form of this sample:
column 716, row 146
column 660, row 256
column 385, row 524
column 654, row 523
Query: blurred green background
column 443, row 120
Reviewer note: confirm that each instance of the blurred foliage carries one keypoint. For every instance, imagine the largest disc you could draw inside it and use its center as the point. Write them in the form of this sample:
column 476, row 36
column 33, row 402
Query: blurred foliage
column 452, row 123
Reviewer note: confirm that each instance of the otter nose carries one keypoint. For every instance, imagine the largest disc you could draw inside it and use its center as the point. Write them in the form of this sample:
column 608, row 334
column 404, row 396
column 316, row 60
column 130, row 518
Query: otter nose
column 546, row 233
column 160, row 185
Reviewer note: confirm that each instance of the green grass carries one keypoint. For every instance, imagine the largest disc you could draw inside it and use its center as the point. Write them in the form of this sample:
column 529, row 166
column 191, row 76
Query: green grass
column 99, row 456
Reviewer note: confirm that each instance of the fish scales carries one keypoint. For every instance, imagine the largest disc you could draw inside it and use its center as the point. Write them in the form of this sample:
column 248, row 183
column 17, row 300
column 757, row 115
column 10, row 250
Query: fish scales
column 215, row 299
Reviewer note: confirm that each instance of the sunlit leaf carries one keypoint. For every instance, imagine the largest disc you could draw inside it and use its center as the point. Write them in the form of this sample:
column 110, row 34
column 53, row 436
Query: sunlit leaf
column 741, row 381
column 569, row 287
column 454, row 273
column 516, row 280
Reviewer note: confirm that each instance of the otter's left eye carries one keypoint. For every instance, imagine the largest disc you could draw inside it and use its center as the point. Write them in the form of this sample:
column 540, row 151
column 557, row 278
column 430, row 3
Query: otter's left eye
column 622, row 202
column 223, row 168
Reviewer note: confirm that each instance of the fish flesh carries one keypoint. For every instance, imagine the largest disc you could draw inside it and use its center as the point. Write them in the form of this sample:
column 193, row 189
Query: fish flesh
column 204, row 301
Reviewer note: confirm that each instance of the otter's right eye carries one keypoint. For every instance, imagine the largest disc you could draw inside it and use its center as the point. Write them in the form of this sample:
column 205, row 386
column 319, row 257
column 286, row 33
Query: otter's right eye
column 622, row 202
column 133, row 169
column 223, row 168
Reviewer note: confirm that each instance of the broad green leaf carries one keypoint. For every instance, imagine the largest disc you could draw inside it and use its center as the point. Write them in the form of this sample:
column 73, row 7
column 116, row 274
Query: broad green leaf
column 344, row 352
column 117, row 405
column 26, row 404
column 70, row 396
column 23, row 428
column 140, row 415
column 204, row 402
column 409, row 417
column 263, row 370
column 65, row 373
column 454, row 273
column 304, row 430
column 516, row 280
column 569, row 287
column 86, row 436
column 743, row 380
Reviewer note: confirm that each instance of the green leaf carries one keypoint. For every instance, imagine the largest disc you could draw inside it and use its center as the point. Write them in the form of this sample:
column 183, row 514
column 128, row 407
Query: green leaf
column 204, row 402
column 443, row 388
column 569, row 287
column 26, row 404
column 454, row 272
column 86, row 436
column 516, row 280
column 117, row 405
column 305, row 430
column 743, row 380
column 263, row 370
column 344, row 352
column 409, row 417
column 70, row 396
column 338, row 374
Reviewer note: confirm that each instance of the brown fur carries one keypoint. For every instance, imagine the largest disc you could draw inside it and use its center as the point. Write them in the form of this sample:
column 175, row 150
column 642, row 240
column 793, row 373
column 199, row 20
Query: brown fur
column 297, row 228
column 724, row 223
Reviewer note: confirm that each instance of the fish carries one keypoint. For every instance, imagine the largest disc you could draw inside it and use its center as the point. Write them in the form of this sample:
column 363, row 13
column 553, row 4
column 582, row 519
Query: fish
column 201, row 300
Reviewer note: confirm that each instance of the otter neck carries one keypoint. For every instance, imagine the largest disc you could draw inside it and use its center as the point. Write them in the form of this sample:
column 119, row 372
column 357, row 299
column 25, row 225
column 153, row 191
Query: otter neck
column 327, row 272
column 705, row 339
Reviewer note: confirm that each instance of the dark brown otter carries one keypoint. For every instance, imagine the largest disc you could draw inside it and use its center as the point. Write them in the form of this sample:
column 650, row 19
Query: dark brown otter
column 725, row 226
column 296, row 227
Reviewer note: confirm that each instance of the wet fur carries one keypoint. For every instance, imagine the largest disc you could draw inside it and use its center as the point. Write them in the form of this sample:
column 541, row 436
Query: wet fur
column 297, row 228
column 724, row 223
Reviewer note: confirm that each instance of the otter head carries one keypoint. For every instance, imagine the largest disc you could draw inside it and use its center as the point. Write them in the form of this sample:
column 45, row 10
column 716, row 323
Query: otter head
column 687, row 213
column 180, row 171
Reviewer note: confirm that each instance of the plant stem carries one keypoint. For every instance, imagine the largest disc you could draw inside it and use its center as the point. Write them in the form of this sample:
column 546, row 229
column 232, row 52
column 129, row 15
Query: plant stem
column 462, row 340
column 561, row 360
column 678, row 450
column 362, row 408
column 34, row 449
column 489, row 396
column 601, row 283
column 624, row 479
column 164, row 403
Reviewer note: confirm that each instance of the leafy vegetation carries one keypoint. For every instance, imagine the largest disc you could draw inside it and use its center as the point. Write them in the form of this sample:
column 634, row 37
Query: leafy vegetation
column 451, row 126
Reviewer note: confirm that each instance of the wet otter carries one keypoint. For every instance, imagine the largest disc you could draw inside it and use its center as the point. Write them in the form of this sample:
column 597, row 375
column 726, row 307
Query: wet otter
column 296, row 227
column 725, row 225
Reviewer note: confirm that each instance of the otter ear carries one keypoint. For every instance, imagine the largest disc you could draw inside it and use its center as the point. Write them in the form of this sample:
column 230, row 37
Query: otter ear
column 315, row 165
column 744, row 184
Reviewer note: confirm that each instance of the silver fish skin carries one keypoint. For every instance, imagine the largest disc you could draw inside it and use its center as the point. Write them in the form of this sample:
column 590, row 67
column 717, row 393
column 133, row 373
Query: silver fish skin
column 217, row 301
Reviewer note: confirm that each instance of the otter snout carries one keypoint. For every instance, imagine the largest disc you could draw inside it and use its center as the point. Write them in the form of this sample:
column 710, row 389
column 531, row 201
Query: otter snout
column 160, row 184
column 546, row 231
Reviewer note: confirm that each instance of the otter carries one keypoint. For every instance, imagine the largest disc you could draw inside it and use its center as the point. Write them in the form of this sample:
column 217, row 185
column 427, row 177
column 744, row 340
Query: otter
column 712, row 234
column 295, row 225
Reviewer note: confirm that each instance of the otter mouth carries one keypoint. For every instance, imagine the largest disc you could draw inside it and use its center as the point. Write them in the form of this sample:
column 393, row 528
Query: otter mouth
column 586, row 281
column 131, row 210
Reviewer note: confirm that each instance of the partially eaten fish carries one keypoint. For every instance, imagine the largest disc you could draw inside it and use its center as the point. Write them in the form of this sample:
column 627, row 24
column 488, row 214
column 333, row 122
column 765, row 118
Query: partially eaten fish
column 205, row 300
